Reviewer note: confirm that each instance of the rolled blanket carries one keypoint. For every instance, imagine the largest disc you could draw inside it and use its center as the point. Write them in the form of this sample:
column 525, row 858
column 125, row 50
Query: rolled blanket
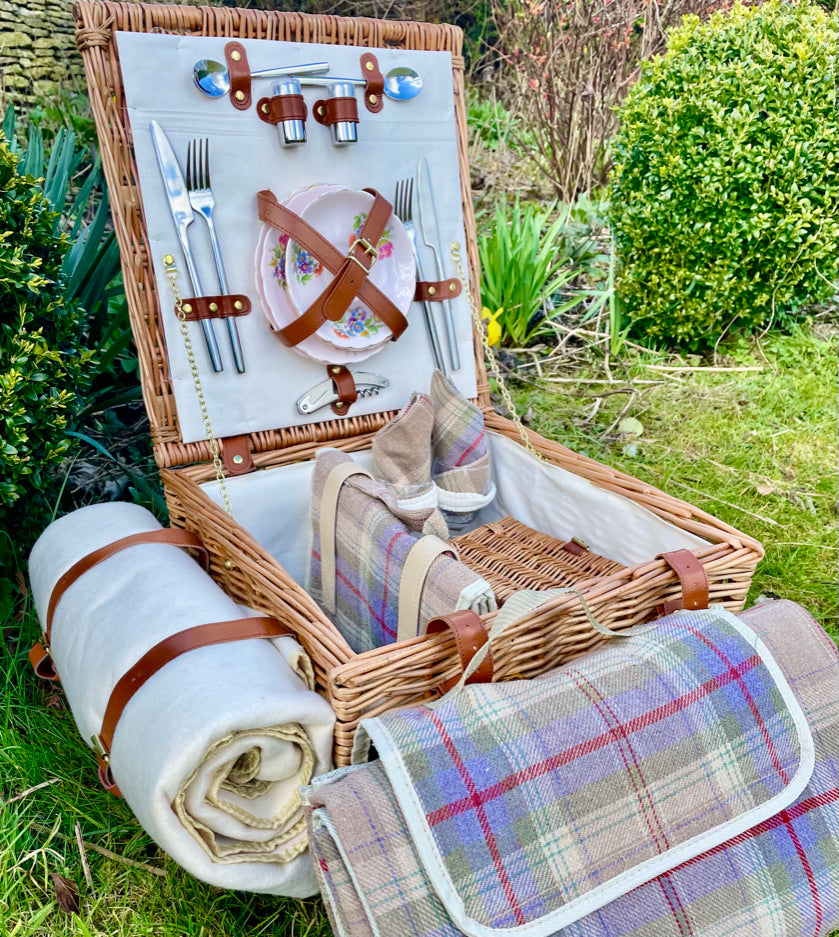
column 381, row 571
column 211, row 750
column 680, row 781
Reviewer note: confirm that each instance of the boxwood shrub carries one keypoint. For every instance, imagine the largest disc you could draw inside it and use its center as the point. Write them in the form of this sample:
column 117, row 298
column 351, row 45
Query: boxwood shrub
column 723, row 198
column 43, row 366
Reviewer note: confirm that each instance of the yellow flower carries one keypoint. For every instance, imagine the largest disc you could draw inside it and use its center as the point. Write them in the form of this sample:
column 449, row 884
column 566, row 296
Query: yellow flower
column 493, row 328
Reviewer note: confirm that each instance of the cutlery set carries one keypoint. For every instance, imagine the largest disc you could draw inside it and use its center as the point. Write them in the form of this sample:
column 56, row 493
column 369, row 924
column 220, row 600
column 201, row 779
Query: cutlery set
column 291, row 280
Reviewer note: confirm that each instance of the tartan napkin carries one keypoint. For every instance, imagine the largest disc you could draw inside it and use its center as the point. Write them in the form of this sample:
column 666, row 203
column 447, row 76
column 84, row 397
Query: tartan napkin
column 461, row 468
column 402, row 454
column 666, row 785
column 372, row 543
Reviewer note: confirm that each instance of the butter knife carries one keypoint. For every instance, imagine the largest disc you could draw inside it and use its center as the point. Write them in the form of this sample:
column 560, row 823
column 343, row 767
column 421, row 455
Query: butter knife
column 178, row 198
column 430, row 225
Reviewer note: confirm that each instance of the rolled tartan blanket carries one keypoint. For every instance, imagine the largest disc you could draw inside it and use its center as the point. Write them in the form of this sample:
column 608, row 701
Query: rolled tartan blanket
column 381, row 571
column 210, row 751
column 684, row 781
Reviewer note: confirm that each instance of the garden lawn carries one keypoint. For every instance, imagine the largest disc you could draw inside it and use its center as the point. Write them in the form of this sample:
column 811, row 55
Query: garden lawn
column 757, row 449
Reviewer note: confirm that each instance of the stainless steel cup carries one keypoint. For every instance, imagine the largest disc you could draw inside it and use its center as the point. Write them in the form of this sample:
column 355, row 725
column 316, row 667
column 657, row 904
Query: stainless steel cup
column 291, row 132
column 343, row 131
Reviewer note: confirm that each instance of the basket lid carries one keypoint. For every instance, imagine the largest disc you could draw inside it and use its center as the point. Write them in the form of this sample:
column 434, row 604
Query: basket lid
column 246, row 156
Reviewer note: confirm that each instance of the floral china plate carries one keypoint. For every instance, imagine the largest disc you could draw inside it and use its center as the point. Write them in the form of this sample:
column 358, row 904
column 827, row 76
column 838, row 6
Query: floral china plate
column 338, row 216
column 272, row 288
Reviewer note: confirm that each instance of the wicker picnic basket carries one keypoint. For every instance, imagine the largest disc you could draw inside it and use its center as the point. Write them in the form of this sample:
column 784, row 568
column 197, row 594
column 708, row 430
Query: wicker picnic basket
column 395, row 675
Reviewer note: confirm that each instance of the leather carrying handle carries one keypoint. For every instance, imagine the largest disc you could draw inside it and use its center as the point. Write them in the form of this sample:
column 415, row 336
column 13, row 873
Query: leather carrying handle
column 165, row 651
column 270, row 211
column 470, row 636
column 693, row 578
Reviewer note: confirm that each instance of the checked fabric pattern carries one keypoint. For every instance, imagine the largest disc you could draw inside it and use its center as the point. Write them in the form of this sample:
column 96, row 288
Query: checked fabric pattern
column 526, row 797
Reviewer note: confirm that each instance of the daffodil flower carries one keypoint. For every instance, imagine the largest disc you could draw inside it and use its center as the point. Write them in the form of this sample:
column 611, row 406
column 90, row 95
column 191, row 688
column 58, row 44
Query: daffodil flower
column 493, row 327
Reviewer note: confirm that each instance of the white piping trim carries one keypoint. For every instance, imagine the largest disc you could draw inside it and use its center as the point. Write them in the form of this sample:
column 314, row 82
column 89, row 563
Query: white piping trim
column 612, row 889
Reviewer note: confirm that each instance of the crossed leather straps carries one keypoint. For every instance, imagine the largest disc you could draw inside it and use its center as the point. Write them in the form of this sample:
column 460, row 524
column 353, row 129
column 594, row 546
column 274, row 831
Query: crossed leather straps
column 350, row 270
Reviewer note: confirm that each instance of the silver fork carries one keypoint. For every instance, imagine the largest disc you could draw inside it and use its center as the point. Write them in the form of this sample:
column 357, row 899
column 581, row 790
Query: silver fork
column 404, row 210
column 202, row 201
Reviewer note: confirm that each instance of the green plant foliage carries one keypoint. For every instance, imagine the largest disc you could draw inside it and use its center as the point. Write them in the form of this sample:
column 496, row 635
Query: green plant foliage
column 724, row 196
column 525, row 263
column 44, row 369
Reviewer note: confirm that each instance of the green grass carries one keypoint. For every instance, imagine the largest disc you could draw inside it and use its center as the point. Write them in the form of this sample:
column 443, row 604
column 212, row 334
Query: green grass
column 763, row 441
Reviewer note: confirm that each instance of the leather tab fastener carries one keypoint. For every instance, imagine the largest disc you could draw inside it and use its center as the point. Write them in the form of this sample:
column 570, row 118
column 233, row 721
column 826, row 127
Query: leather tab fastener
column 240, row 75
column 435, row 291
column 575, row 547
column 470, row 636
column 334, row 110
column 693, row 578
column 281, row 107
column 42, row 663
column 344, row 384
column 214, row 307
column 236, row 455
column 374, row 97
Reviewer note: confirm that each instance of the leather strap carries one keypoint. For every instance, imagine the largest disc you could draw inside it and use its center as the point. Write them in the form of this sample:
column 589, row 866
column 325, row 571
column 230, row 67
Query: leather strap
column 240, row 75
column 236, row 455
column 215, row 307
column 270, row 211
column 330, row 111
column 173, row 536
column 574, row 547
column 431, row 291
column 374, row 98
column 693, row 578
column 328, row 520
column 344, row 384
column 470, row 635
column 412, row 582
column 220, row 632
column 281, row 107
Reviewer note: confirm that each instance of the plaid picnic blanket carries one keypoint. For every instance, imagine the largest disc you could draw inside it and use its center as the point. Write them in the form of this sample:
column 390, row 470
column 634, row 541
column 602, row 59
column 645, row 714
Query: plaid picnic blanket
column 663, row 786
column 373, row 538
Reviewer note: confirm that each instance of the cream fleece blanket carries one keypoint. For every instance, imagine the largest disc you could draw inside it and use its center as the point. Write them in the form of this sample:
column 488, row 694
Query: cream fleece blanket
column 211, row 750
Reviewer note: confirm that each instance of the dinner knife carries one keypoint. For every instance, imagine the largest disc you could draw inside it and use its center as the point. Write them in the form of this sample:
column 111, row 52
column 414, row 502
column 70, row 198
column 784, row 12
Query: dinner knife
column 178, row 198
column 430, row 224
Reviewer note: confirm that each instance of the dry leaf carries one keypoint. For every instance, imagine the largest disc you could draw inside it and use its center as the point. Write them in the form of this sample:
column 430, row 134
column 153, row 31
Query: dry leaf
column 765, row 489
column 54, row 701
column 629, row 426
column 66, row 893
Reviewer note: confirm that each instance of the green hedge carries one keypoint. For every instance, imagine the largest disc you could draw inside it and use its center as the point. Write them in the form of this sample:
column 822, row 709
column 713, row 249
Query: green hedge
column 724, row 195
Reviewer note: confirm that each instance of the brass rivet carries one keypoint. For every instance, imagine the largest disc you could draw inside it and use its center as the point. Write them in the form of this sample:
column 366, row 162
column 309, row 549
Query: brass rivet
column 238, row 305
column 321, row 111
column 235, row 55
column 369, row 66
column 452, row 287
column 168, row 259
column 340, row 405
column 336, row 369
column 240, row 95
column 265, row 109
column 432, row 290
column 213, row 307
column 238, row 459
column 228, row 564
column 373, row 99
column 187, row 307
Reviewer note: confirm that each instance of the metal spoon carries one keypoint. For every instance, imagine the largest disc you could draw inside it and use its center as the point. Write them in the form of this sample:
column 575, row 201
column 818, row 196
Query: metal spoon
column 212, row 78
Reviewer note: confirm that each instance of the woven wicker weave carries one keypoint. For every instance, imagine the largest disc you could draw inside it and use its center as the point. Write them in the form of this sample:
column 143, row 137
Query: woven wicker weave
column 357, row 684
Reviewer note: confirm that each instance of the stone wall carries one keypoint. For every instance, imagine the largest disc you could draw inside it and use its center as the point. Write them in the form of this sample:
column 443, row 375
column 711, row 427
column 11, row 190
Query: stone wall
column 37, row 49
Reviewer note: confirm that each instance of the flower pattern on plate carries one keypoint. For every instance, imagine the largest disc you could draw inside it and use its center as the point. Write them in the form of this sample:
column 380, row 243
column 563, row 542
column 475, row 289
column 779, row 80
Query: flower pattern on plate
column 278, row 260
column 385, row 246
column 306, row 266
column 357, row 320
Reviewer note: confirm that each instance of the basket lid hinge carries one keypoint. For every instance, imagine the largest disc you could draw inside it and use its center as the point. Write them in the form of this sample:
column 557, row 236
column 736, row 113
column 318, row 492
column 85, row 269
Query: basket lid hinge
column 236, row 455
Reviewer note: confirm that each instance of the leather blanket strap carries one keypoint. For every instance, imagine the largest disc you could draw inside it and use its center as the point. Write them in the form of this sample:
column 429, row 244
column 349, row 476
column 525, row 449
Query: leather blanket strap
column 470, row 635
column 693, row 579
column 190, row 639
column 350, row 270
column 39, row 655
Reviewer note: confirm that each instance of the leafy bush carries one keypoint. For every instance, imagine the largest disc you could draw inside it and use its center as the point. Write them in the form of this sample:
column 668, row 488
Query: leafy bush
column 724, row 194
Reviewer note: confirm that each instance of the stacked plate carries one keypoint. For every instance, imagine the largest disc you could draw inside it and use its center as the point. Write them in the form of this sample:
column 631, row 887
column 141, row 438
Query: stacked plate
column 289, row 278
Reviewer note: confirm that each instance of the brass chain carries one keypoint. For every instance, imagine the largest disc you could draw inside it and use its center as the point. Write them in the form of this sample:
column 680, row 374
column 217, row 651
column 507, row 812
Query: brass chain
column 489, row 354
column 171, row 272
